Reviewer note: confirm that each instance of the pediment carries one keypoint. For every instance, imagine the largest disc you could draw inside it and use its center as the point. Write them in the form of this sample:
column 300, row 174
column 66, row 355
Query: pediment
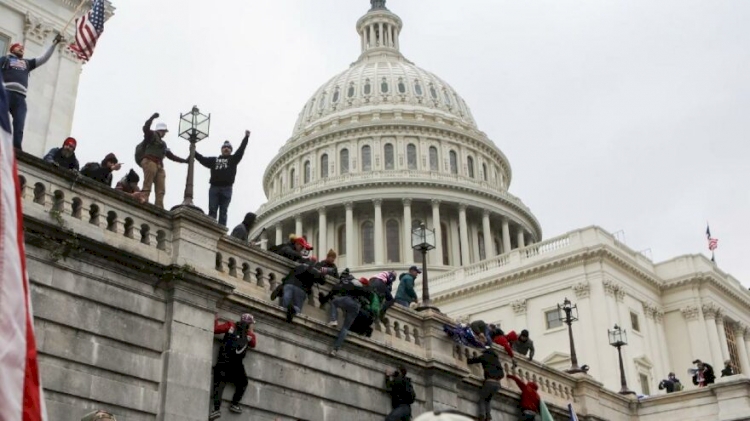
column 556, row 358
column 644, row 362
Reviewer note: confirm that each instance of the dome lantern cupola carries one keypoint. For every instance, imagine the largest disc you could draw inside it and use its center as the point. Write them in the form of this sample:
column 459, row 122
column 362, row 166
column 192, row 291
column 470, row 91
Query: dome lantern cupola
column 379, row 30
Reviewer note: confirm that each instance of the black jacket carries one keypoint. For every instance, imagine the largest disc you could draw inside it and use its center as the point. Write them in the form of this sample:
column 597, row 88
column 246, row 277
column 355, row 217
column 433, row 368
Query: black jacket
column 727, row 371
column 55, row 156
column 242, row 231
column 223, row 168
column 305, row 276
column 490, row 364
column 96, row 172
column 287, row 250
column 708, row 375
column 397, row 388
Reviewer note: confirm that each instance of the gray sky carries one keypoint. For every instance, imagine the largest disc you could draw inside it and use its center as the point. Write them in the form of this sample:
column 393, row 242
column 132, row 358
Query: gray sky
column 631, row 115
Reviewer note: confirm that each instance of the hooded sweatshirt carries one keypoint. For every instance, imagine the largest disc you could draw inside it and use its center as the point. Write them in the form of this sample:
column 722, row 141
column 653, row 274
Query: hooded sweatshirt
column 529, row 394
column 223, row 168
column 405, row 291
column 242, row 231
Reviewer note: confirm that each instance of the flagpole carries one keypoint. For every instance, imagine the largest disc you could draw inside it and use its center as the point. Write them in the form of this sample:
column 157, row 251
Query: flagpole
column 75, row 13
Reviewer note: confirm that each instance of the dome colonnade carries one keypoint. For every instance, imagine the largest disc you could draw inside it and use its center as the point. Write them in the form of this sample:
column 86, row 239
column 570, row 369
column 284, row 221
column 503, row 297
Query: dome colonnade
column 384, row 146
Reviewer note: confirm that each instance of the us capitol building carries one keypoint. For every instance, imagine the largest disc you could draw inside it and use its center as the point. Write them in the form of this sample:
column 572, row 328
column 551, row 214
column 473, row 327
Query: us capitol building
column 385, row 146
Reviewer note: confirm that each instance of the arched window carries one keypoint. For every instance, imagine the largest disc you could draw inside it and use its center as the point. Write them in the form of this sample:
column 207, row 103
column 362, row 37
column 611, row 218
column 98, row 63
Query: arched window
column 401, row 86
column 447, row 97
column 366, row 158
column 335, row 97
column 482, row 251
column 341, row 239
column 444, row 242
column 454, row 162
column 350, row 92
column 417, row 254
column 368, row 243
column 484, row 172
column 308, row 170
column 392, row 241
column 434, row 165
column 324, row 166
column 291, row 178
column 411, row 156
column 390, row 161
column 433, row 92
column 470, row 166
column 368, row 87
column 417, row 88
column 344, row 161
column 322, row 101
column 384, row 86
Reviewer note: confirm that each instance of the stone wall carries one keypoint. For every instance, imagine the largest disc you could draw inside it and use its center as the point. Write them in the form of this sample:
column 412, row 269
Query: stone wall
column 125, row 295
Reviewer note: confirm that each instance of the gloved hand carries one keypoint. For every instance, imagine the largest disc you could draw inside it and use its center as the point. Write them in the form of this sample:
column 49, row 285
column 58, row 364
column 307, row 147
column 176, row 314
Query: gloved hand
column 155, row 115
column 58, row 39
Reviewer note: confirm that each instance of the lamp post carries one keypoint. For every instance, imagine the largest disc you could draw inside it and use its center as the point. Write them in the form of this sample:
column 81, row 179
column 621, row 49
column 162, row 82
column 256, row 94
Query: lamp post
column 619, row 338
column 423, row 240
column 194, row 128
column 571, row 315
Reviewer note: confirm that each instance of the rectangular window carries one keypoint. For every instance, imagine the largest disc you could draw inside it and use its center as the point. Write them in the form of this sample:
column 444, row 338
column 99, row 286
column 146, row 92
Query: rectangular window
column 645, row 389
column 553, row 319
column 732, row 345
column 634, row 323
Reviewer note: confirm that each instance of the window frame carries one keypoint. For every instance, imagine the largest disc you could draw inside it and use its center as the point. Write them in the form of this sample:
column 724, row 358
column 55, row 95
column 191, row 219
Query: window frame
column 470, row 166
column 412, row 157
column 307, row 172
column 292, row 174
column 366, row 159
column 396, row 243
column 324, row 166
column 547, row 325
column 389, row 149
column 344, row 161
column 453, row 162
column 636, row 327
column 368, row 244
column 434, row 163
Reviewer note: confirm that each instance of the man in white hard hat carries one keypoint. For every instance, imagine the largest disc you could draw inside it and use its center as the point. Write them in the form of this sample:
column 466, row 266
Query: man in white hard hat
column 150, row 154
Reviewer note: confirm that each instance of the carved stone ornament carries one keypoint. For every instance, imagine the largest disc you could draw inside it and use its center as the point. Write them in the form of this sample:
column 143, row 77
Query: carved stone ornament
column 649, row 310
column 690, row 312
column 659, row 316
column 36, row 28
column 609, row 287
column 582, row 289
column 519, row 306
column 710, row 311
column 620, row 294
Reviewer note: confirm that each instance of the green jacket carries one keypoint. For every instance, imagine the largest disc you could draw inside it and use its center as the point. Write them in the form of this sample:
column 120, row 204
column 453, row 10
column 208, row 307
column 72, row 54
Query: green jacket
column 405, row 290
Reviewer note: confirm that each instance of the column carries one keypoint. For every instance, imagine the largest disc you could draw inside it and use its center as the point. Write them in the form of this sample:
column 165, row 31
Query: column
column 722, row 336
column 506, row 236
column 464, row 234
column 264, row 240
column 381, row 40
column 298, row 225
column 742, row 348
column 438, row 260
column 455, row 256
column 350, row 258
column 473, row 241
column 378, row 231
column 322, row 232
column 489, row 248
column 652, row 342
column 279, row 234
column 662, row 342
column 372, row 36
column 709, row 318
column 521, row 238
column 406, row 248
column 696, row 332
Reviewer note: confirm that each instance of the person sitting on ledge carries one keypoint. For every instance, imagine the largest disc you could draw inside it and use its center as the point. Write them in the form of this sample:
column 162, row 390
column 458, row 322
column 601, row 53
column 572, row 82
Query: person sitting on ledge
column 521, row 343
column 64, row 157
column 242, row 231
column 102, row 172
column 129, row 185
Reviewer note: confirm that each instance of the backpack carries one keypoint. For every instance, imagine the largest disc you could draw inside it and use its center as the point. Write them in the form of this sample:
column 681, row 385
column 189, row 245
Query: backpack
column 374, row 306
column 409, row 395
column 233, row 346
column 140, row 152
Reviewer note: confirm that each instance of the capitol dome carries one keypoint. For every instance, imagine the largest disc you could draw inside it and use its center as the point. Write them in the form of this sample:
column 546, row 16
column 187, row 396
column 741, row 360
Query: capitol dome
column 386, row 146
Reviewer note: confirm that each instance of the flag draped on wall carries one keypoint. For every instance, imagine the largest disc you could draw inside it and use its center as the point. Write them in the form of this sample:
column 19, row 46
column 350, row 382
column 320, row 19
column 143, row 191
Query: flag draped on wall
column 89, row 28
column 20, row 387
column 713, row 243
column 573, row 416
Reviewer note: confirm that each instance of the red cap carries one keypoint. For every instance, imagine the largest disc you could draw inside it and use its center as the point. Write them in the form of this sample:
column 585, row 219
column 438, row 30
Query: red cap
column 302, row 242
column 13, row 47
column 70, row 141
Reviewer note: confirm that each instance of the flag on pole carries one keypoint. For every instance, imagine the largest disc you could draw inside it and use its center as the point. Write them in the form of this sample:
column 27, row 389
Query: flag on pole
column 573, row 416
column 89, row 28
column 544, row 412
column 20, row 387
column 713, row 243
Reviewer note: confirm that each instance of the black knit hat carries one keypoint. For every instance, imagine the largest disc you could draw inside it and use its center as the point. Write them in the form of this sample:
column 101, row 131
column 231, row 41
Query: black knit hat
column 133, row 177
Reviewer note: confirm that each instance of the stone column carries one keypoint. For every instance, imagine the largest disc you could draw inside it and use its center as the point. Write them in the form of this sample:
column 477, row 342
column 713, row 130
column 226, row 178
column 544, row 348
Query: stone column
column 322, row 232
column 652, row 341
column 696, row 332
column 464, row 234
column 489, row 248
column 350, row 258
column 406, row 249
column 742, row 348
column 506, row 236
column 298, row 225
column 521, row 238
column 662, row 342
column 279, row 234
column 264, row 240
column 438, row 233
column 722, row 336
column 709, row 316
column 378, row 231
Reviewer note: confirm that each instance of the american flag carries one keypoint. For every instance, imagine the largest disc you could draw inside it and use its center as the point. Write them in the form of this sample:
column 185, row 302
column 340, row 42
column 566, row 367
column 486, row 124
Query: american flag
column 713, row 243
column 21, row 396
column 89, row 28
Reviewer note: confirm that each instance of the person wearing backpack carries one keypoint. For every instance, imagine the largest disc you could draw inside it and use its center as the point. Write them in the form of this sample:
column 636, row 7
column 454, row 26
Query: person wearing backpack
column 238, row 337
column 102, row 172
column 348, row 296
column 223, row 172
column 493, row 373
column 402, row 394
column 150, row 154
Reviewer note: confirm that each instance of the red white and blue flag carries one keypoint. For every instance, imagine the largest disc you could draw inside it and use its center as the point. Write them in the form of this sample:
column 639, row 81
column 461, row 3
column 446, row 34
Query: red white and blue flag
column 573, row 416
column 713, row 243
column 89, row 28
column 21, row 396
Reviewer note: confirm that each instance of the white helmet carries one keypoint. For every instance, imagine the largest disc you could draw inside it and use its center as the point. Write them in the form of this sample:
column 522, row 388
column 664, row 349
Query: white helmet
column 161, row 126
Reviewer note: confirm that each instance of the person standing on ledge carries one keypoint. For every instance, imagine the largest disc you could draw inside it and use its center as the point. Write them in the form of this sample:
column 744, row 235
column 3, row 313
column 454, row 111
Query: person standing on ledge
column 223, row 172
column 15, row 70
column 150, row 154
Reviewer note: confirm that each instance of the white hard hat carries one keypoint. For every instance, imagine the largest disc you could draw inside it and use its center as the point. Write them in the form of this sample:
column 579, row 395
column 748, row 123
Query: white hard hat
column 442, row 416
column 161, row 126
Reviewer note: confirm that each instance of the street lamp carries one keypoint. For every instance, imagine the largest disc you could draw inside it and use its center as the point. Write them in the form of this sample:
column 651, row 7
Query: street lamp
column 571, row 315
column 423, row 240
column 194, row 128
column 619, row 338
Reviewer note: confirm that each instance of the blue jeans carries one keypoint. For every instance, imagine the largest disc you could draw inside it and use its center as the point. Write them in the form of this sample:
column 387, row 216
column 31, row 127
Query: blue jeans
column 295, row 296
column 400, row 413
column 17, row 105
column 403, row 302
column 218, row 200
column 350, row 306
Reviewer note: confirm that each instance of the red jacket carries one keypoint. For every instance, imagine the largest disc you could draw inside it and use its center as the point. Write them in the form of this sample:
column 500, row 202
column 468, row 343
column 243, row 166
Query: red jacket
column 529, row 395
column 503, row 341
column 225, row 327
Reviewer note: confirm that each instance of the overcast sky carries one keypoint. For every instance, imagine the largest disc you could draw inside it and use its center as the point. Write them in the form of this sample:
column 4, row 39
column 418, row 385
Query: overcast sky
column 631, row 115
